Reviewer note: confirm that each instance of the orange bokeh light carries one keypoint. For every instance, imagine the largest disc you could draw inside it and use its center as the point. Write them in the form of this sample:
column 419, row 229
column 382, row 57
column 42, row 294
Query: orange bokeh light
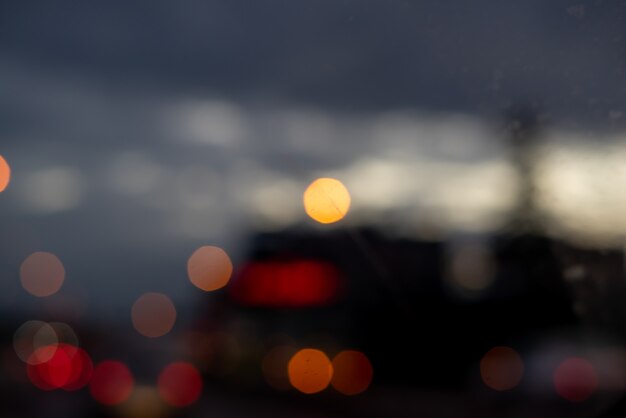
column 5, row 173
column 326, row 200
column 42, row 274
column 180, row 384
column 310, row 370
column 501, row 368
column 209, row 268
column 153, row 315
column 352, row 372
column 112, row 383
column 575, row 379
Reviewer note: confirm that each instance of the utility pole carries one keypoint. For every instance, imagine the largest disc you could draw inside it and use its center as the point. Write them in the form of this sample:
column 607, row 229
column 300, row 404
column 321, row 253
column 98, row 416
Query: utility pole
column 523, row 130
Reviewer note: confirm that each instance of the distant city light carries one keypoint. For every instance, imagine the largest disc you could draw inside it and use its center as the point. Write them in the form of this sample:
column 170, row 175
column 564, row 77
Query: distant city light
column 42, row 274
column 352, row 372
column 326, row 200
column 153, row 315
column 180, row 384
column 209, row 268
column 575, row 379
column 310, row 371
column 5, row 174
column 501, row 368
column 112, row 383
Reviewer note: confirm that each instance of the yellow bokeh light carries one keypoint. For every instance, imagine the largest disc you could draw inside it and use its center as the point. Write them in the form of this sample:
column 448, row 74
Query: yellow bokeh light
column 209, row 268
column 5, row 174
column 326, row 200
column 42, row 274
column 153, row 315
column 310, row 371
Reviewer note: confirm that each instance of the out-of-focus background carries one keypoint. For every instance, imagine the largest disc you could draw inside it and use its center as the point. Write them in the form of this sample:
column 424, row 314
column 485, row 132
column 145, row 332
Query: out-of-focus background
column 322, row 209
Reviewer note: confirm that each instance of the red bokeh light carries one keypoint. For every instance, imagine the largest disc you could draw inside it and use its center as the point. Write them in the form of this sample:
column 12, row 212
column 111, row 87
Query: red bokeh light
column 291, row 284
column 69, row 368
column 501, row 368
column 353, row 372
column 82, row 371
column 575, row 379
column 111, row 383
column 180, row 384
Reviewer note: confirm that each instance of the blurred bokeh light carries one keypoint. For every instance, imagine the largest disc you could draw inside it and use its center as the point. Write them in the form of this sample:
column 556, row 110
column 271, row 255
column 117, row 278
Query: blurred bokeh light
column 352, row 372
column 69, row 368
column 42, row 274
column 501, row 368
column 326, row 200
column 209, row 268
column 112, row 382
column 82, row 368
column 35, row 342
column 290, row 284
column 575, row 379
column 5, row 174
column 180, row 384
column 153, row 315
column 310, row 370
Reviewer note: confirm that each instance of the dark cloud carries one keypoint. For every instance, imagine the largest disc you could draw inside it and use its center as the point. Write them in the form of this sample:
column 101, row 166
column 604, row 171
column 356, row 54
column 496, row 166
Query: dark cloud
column 472, row 56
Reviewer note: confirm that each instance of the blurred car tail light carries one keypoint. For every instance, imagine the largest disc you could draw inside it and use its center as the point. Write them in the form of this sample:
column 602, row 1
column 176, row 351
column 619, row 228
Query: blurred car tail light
column 291, row 284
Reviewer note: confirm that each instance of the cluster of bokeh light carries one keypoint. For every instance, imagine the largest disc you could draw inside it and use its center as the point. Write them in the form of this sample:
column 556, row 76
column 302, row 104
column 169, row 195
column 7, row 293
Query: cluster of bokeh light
column 310, row 370
column 54, row 360
column 575, row 378
column 67, row 367
column 52, row 356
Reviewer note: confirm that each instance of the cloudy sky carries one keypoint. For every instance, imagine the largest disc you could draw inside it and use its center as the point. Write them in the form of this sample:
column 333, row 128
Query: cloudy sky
column 138, row 132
